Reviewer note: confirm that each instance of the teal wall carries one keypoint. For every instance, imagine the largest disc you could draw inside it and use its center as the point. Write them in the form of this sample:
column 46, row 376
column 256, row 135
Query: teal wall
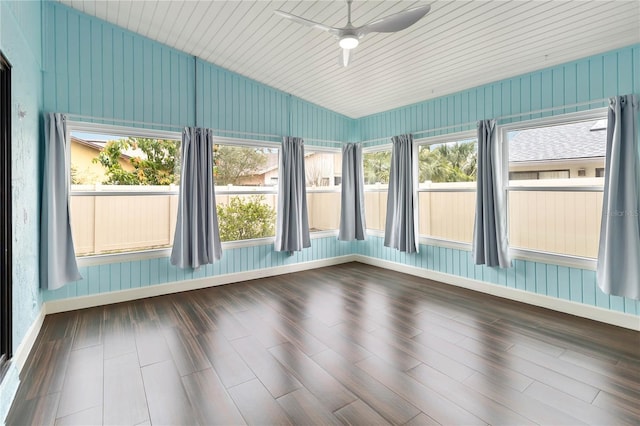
column 144, row 273
column 23, row 50
column 597, row 77
column 232, row 102
column 95, row 69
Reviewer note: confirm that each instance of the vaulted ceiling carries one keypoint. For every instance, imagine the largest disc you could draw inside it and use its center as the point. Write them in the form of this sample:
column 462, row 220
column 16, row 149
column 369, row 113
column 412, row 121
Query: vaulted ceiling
column 458, row 45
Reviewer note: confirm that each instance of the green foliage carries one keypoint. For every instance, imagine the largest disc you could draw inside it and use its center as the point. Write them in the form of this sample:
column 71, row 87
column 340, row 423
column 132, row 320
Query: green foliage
column 75, row 179
column 376, row 167
column 159, row 164
column 448, row 163
column 82, row 177
column 234, row 162
column 247, row 218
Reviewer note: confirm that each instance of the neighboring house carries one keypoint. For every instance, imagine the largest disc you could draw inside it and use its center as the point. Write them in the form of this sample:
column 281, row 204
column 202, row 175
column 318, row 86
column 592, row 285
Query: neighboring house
column 321, row 169
column 84, row 170
column 541, row 154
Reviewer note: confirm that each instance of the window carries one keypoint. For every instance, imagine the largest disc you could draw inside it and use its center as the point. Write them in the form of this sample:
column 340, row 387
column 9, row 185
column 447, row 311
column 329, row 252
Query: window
column 323, row 169
column 246, row 184
column 125, row 183
column 376, row 168
column 6, row 281
column 555, row 186
column 447, row 168
column 124, row 189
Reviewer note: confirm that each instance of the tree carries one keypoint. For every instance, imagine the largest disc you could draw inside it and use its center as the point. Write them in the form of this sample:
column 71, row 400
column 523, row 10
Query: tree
column 376, row 167
column 243, row 219
column 159, row 163
column 234, row 162
column 448, row 163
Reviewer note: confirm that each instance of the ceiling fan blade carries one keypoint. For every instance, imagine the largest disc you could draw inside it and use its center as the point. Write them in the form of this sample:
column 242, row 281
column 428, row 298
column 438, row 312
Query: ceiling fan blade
column 306, row 22
column 396, row 22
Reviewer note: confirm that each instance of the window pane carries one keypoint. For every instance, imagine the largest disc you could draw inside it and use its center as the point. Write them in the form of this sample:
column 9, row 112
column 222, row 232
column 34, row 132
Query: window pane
column 562, row 155
column 238, row 171
column 324, row 210
column 103, row 223
column 323, row 169
column 245, row 166
column 566, row 155
column 555, row 221
column 108, row 220
column 323, row 178
column 376, row 167
column 448, row 162
column 245, row 216
column 116, row 160
column 447, row 198
column 448, row 215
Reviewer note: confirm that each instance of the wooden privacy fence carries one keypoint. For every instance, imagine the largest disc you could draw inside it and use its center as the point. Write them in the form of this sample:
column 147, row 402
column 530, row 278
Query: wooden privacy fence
column 113, row 223
column 566, row 222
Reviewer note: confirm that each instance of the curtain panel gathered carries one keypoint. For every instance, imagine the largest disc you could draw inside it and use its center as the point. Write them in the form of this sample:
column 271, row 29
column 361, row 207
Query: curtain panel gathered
column 490, row 245
column 197, row 238
column 57, row 255
column 352, row 217
column 292, row 226
column 401, row 228
column 618, row 268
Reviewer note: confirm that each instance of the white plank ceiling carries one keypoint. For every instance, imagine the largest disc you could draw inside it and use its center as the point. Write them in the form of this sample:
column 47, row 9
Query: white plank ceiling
column 458, row 45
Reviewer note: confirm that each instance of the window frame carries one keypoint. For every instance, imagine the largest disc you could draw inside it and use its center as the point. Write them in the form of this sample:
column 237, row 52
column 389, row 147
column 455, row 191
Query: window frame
column 6, row 239
column 436, row 140
column 337, row 188
column 125, row 131
column 371, row 150
column 548, row 121
column 229, row 141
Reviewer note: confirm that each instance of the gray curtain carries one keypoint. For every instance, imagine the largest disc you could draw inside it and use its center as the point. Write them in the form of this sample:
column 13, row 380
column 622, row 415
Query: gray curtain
column 489, row 245
column 292, row 227
column 618, row 270
column 57, row 255
column 400, row 230
column 352, row 219
column 197, row 238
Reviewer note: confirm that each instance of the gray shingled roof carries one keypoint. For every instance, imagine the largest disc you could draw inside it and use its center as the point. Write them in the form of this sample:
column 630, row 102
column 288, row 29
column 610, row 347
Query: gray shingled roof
column 569, row 141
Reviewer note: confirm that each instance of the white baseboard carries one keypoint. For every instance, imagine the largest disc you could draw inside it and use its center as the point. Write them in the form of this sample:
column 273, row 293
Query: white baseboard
column 24, row 349
column 82, row 302
column 619, row 319
column 11, row 381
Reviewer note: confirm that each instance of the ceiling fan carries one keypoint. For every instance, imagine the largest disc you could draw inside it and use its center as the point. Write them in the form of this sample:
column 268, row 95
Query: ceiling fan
column 349, row 36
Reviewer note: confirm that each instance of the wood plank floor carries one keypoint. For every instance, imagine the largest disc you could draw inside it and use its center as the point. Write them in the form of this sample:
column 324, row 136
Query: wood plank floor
column 348, row 344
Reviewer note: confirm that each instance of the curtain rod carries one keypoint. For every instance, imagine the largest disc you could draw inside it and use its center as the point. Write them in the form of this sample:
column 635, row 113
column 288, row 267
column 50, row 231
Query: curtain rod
column 174, row 126
column 503, row 117
column 170, row 126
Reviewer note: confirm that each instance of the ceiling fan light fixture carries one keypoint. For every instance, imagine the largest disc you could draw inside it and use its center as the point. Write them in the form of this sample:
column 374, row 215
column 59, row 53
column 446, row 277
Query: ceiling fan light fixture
column 349, row 41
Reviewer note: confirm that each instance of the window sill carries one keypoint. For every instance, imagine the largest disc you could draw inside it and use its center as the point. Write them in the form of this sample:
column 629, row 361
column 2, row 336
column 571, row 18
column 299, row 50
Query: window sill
column 554, row 259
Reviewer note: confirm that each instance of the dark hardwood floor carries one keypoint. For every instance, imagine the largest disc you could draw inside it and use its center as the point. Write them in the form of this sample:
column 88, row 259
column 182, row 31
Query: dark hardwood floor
column 349, row 344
